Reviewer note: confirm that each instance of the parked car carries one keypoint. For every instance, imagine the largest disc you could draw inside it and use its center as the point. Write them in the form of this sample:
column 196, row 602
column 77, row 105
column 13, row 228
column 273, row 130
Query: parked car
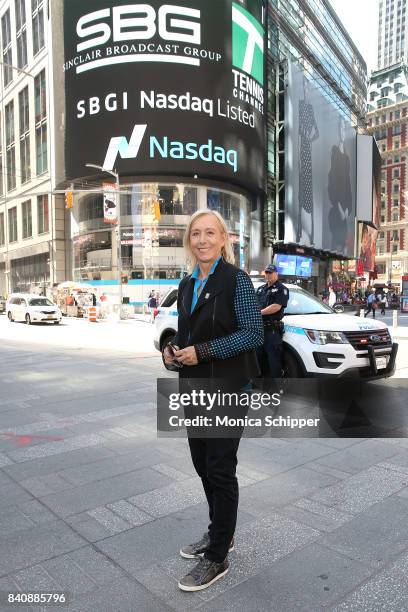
column 317, row 341
column 32, row 308
column 2, row 304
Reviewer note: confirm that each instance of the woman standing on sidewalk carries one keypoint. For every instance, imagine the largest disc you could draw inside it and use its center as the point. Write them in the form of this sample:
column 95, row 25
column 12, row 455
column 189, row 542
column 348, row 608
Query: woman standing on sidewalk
column 219, row 328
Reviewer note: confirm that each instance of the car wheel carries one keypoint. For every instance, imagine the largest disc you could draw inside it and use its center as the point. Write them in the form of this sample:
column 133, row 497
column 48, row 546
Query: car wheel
column 164, row 343
column 291, row 366
column 10, row 317
column 57, row 322
column 28, row 319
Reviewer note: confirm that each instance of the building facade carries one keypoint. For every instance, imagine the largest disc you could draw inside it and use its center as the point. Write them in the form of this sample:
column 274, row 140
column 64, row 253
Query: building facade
column 388, row 121
column 32, row 241
column 315, row 66
column 242, row 171
column 392, row 33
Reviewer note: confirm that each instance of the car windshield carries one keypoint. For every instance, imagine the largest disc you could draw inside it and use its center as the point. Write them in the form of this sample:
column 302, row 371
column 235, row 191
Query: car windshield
column 170, row 298
column 303, row 303
column 41, row 301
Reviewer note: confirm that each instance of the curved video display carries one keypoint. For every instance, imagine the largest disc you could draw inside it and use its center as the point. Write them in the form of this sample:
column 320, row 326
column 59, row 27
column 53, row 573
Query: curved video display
column 166, row 89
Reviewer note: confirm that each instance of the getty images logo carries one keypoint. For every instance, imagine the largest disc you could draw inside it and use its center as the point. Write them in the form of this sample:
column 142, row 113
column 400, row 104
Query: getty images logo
column 165, row 148
column 247, row 43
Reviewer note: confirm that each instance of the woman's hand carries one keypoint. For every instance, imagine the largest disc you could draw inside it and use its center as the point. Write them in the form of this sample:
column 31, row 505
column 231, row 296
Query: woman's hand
column 187, row 356
column 168, row 355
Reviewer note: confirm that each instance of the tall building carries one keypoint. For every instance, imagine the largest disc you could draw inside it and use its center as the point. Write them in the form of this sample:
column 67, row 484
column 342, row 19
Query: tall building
column 322, row 81
column 231, row 106
column 32, row 242
column 392, row 33
column 388, row 122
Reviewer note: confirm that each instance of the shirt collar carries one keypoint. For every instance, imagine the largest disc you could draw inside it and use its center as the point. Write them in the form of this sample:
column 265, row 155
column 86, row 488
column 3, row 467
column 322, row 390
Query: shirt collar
column 196, row 272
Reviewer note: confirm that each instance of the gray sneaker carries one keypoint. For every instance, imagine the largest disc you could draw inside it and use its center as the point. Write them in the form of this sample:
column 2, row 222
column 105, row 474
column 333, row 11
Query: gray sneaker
column 203, row 575
column 196, row 550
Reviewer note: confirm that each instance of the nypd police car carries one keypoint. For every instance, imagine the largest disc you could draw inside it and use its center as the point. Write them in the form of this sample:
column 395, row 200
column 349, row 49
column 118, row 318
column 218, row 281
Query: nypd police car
column 316, row 342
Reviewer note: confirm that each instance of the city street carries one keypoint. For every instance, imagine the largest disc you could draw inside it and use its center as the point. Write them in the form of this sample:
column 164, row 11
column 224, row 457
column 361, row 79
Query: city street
column 93, row 504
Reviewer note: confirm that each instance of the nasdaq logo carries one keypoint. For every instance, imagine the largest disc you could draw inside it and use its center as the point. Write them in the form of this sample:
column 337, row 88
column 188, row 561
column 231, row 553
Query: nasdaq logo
column 165, row 148
column 120, row 146
column 247, row 43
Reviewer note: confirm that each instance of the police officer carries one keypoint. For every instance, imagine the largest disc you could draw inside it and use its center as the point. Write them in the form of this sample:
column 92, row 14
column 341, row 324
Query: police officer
column 272, row 300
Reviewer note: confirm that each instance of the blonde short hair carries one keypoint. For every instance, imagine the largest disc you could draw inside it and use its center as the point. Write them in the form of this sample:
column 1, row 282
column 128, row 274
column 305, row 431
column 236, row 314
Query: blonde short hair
column 227, row 252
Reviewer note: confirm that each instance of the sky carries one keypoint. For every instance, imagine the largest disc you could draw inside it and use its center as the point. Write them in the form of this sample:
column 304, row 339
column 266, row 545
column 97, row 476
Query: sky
column 360, row 18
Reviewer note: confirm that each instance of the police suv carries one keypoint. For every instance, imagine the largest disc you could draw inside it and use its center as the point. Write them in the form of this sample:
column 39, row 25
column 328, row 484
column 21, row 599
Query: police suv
column 316, row 342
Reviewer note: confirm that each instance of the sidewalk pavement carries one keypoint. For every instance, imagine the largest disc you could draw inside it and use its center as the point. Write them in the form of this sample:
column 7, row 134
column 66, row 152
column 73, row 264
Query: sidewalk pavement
column 92, row 503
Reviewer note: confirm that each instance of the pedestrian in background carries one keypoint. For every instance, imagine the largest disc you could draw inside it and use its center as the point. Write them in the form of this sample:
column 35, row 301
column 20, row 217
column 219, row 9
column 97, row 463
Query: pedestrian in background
column 152, row 305
column 332, row 297
column 219, row 328
column 383, row 303
column 371, row 304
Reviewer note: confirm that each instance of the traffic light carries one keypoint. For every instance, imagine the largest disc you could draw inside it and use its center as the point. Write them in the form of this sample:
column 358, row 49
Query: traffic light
column 69, row 199
column 125, row 280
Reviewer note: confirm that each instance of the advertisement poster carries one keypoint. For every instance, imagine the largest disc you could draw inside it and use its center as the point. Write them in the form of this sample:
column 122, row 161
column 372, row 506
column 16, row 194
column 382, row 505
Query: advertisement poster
column 320, row 157
column 367, row 246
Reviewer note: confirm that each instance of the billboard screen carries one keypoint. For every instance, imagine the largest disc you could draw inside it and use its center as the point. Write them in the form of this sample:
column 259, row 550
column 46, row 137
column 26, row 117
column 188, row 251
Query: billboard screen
column 320, row 169
column 286, row 264
column 166, row 89
column 304, row 266
column 367, row 246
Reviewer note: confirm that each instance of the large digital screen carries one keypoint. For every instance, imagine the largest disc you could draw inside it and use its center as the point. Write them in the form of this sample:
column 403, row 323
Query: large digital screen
column 320, row 166
column 304, row 266
column 166, row 89
column 286, row 264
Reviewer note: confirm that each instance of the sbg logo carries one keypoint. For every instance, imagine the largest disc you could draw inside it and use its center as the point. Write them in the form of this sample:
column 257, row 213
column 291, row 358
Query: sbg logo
column 139, row 22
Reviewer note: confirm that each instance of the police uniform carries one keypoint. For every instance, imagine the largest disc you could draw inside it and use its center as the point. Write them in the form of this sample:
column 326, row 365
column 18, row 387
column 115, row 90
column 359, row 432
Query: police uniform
column 270, row 354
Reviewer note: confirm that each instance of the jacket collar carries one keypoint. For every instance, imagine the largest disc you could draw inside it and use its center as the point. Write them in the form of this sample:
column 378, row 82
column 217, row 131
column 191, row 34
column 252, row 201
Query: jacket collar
column 213, row 287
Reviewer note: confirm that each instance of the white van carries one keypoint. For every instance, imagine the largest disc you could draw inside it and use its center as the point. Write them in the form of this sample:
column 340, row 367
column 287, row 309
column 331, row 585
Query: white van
column 32, row 308
column 316, row 342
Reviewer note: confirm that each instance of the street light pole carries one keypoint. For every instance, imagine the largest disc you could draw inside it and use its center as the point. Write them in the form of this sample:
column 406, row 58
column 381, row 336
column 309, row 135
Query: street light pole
column 117, row 230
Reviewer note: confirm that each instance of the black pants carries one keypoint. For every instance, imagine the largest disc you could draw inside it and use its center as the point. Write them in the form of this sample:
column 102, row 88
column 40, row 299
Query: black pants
column 270, row 354
column 215, row 460
column 370, row 309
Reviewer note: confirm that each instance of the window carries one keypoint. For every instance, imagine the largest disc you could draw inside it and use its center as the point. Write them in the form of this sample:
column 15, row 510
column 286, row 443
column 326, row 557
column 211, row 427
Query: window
column 396, row 173
column 381, row 236
column 38, row 25
column 10, row 147
column 6, row 45
column 24, row 115
column 41, row 148
column 21, row 34
column 42, row 214
column 41, row 123
column 40, row 97
column 2, row 230
column 27, row 219
column 395, row 202
column 1, row 158
column 12, row 224
column 395, row 215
